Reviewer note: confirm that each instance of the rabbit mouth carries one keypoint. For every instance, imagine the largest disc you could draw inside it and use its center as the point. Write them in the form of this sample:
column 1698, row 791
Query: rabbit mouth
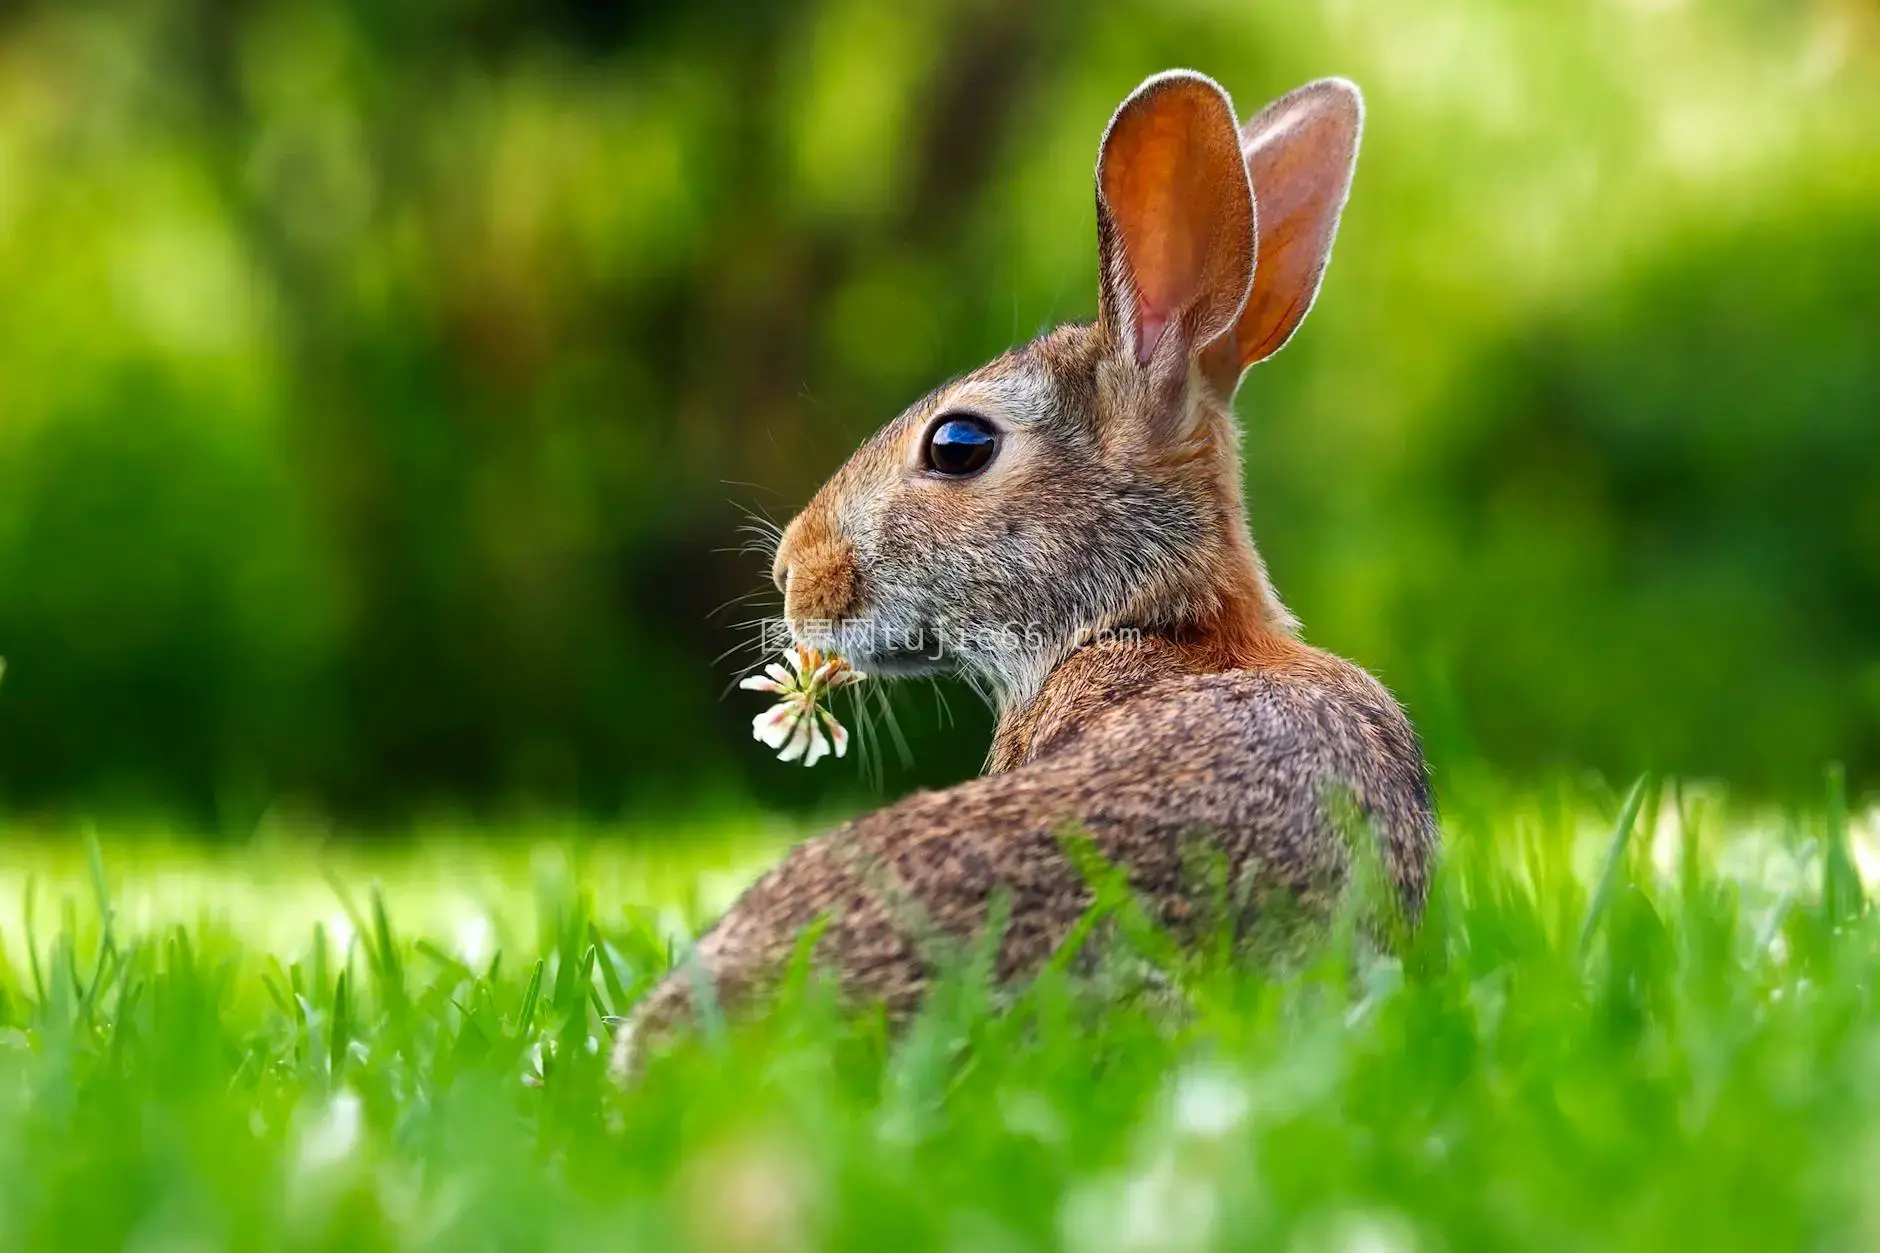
column 904, row 665
column 878, row 649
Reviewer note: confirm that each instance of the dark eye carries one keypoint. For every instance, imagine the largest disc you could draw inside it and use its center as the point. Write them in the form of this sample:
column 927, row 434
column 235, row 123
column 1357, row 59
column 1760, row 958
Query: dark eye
column 961, row 445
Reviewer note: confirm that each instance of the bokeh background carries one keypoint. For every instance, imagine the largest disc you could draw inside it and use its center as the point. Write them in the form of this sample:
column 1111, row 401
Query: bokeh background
column 381, row 384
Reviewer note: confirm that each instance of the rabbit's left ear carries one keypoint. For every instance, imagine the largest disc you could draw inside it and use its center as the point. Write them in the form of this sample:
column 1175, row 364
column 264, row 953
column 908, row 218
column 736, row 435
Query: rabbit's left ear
column 1174, row 223
column 1301, row 151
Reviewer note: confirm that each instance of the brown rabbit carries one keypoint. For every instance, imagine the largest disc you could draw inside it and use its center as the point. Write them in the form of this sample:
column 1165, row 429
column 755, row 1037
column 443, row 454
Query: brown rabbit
column 1065, row 526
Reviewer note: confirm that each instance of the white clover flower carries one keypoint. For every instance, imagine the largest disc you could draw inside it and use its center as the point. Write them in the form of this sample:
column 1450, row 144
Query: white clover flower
column 798, row 726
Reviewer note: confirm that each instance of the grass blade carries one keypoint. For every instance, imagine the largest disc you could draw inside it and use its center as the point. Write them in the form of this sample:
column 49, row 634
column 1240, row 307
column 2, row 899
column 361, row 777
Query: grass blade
column 529, row 999
column 32, row 941
column 1842, row 896
column 338, row 1030
column 1615, row 860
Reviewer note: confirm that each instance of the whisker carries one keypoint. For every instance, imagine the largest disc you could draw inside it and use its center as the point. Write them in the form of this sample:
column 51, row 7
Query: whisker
column 758, row 524
column 755, row 643
column 941, row 704
column 738, row 677
column 746, row 598
column 894, row 728
column 756, row 547
column 763, row 534
column 756, row 487
column 758, row 636
column 868, row 759
column 977, row 684
column 734, row 650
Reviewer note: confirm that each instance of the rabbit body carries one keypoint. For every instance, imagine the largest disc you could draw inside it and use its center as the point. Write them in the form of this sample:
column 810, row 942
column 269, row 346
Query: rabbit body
column 1139, row 759
column 1066, row 527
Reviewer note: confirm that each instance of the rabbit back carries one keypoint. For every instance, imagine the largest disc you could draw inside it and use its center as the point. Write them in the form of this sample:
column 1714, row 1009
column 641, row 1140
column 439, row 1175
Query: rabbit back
column 1265, row 768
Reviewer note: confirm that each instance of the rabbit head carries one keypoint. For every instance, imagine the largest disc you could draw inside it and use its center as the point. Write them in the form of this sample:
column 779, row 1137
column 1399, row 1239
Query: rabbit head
column 1089, row 481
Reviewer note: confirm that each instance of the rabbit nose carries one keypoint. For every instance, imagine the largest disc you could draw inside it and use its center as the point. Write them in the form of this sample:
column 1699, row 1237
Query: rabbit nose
column 815, row 568
column 782, row 562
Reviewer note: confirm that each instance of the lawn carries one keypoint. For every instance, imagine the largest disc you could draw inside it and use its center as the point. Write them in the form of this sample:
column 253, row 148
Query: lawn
column 1612, row 1031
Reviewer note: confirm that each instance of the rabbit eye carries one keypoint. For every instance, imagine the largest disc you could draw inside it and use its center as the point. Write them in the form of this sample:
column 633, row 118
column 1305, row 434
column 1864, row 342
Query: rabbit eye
column 961, row 445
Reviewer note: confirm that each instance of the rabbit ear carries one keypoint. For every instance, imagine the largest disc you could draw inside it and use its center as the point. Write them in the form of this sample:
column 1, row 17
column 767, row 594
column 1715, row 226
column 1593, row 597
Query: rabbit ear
column 1174, row 222
column 1300, row 151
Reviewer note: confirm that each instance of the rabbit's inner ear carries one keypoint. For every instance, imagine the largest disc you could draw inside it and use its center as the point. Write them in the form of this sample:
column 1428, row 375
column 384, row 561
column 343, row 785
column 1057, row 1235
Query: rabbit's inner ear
column 1174, row 222
column 1301, row 151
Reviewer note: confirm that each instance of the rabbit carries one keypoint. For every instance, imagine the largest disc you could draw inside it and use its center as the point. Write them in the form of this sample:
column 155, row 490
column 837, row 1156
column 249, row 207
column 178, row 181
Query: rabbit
column 1066, row 524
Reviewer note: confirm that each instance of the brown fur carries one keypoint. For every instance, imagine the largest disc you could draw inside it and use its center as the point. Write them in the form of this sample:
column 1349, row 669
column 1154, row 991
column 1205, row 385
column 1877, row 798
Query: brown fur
column 819, row 578
column 1158, row 691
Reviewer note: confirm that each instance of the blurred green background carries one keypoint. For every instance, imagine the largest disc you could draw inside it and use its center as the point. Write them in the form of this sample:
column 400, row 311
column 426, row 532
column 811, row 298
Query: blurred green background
column 380, row 384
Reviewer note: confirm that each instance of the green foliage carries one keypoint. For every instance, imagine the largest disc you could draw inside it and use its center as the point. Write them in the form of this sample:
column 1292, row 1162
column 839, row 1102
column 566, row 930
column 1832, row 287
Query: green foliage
column 1639, row 1025
column 375, row 377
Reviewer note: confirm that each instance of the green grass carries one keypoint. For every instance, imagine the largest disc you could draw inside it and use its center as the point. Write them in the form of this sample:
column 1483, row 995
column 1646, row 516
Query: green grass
column 1609, row 1034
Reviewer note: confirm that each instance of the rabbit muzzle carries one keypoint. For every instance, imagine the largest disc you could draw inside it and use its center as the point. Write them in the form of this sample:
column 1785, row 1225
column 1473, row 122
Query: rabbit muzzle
column 817, row 571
